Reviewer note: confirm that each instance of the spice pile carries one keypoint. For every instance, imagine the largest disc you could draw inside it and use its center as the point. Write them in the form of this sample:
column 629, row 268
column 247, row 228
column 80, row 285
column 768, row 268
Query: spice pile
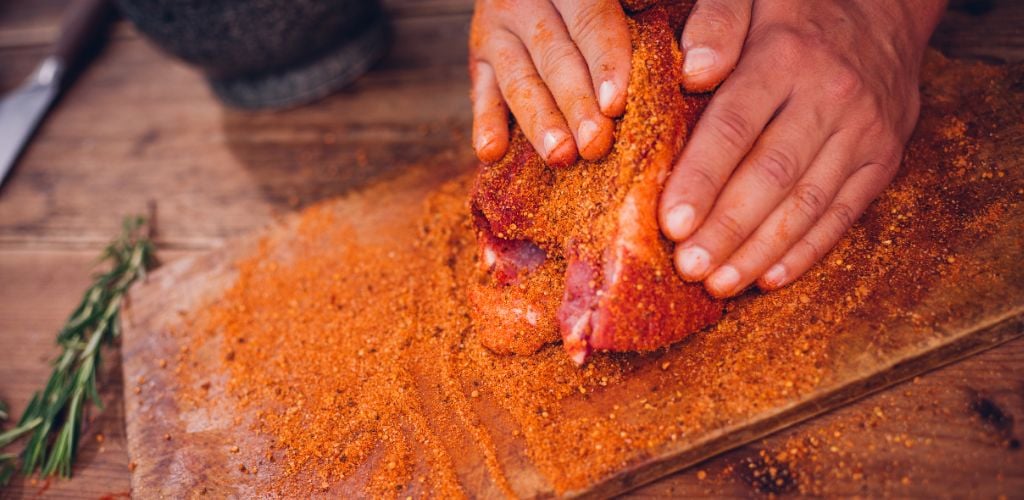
column 363, row 366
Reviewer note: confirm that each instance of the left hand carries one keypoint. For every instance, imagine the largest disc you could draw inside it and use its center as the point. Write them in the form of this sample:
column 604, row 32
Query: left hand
column 806, row 131
column 560, row 66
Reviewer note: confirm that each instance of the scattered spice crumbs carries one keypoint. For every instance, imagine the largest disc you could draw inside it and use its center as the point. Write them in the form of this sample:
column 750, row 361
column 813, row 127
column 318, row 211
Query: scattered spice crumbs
column 350, row 353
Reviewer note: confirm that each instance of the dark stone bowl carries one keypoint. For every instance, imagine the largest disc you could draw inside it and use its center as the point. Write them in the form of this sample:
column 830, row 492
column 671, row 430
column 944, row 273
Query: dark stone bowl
column 267, row 53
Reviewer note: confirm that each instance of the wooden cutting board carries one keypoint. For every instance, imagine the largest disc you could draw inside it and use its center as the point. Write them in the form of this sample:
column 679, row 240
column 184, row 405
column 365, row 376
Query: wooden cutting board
column 939, row 294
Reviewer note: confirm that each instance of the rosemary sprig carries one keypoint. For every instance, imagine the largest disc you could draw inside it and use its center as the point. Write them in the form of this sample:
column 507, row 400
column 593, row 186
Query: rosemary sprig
column 54, row 415
column 6, row 459
column 7, row 468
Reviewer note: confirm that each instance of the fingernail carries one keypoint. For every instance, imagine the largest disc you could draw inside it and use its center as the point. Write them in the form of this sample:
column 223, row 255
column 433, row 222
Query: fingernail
column 693, row 262
column 483, row 140
column 698, row 60
column 775, row 276
column 680, row 221
column 724, row 280
column 552, row 140
column 606, row 95
column 587, row 132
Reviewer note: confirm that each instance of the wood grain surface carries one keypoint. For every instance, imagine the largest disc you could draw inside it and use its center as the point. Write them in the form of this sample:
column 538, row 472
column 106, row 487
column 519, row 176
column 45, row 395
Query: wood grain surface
column 139, row 126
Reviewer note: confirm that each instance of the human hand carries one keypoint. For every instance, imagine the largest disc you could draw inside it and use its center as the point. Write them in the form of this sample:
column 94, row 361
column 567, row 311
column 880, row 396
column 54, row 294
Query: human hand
column 806, row 131
column 560, row 66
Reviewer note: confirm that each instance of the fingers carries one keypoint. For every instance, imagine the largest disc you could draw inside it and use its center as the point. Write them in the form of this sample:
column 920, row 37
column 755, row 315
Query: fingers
column 529, row 100
column 730, row 125
column 563, row 95
column 562, row 67
column 802, row 207
column 490, row 114
column 851, row 201
column 600, row 31
column 767, row 175
column 712, row 41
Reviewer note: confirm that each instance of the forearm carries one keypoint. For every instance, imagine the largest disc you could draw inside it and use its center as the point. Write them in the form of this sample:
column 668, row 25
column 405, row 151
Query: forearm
column 901, row 29
column 919, row 19
column 926, row 15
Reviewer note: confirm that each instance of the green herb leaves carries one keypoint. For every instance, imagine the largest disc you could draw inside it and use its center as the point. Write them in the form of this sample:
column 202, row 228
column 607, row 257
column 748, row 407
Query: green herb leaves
column 6, row 459
column 53, row 418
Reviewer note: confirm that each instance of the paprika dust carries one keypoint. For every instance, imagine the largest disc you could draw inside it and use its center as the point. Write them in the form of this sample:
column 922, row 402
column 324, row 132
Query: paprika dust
column 361, row 365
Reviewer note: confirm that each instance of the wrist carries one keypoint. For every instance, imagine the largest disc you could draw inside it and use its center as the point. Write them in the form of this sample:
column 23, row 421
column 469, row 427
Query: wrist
column 921, row 17
column 905, row 27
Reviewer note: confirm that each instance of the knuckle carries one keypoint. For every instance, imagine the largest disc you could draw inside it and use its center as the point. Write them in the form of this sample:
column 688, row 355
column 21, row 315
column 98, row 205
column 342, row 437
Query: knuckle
column 887, row 167
column 811, row 248
column 729, row 227
column 702, row 174
column 522, row 84
column 575, row 109
column 889, row 170
column 878, row 134
column 810, row 200
column 873, row 118
column 793, row 46
column 761, row 249
column 731, row 127
column 880, row 108
column 789, row 45
column 890, row 154
column 891, row 162
column 844, row 216
column 815, row 40
column 482, row 83
column 777, row 167
column 713, row 19
column 556, row 57
column 844, row 83
column 886, row 148
column 589, row 21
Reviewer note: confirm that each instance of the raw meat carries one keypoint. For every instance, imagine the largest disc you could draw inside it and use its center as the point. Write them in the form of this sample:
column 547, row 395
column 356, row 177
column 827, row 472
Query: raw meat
column 578, row 249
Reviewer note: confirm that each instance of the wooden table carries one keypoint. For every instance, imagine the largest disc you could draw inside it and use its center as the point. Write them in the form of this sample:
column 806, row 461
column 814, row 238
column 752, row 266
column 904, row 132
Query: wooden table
column 139, row 128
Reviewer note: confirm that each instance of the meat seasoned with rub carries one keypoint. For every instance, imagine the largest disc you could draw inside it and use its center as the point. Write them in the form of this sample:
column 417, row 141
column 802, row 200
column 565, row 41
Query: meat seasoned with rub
column 577, row 250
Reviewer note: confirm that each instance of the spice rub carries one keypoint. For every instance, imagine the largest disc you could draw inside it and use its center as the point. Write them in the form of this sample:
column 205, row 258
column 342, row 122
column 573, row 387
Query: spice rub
column 362, row 366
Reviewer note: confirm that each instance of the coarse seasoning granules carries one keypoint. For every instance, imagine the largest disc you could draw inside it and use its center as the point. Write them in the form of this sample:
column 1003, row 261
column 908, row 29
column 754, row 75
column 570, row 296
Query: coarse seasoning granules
column 362, row 362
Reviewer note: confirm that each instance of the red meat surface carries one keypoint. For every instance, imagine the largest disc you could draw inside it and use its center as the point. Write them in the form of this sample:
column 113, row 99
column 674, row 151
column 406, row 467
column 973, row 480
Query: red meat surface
column 575, row 252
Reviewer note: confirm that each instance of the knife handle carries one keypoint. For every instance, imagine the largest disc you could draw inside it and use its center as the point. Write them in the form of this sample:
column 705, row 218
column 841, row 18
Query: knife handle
column 83, row 21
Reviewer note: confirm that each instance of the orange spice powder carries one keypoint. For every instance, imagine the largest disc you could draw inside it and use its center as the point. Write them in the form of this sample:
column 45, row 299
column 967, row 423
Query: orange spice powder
column 362, row 362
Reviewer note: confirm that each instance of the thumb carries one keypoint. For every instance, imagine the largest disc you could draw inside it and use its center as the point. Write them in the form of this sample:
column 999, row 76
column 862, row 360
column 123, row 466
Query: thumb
column 712, row 41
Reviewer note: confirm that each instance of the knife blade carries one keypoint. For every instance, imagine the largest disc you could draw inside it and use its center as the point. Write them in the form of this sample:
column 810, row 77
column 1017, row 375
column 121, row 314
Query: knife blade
column 23, row 109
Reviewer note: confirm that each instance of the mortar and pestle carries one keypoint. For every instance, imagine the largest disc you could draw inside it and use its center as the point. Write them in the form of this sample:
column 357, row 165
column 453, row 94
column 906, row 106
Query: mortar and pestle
column 260, row 54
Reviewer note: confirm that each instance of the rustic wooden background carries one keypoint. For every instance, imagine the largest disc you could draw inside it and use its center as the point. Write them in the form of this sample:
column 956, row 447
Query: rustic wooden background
column 140, row 128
